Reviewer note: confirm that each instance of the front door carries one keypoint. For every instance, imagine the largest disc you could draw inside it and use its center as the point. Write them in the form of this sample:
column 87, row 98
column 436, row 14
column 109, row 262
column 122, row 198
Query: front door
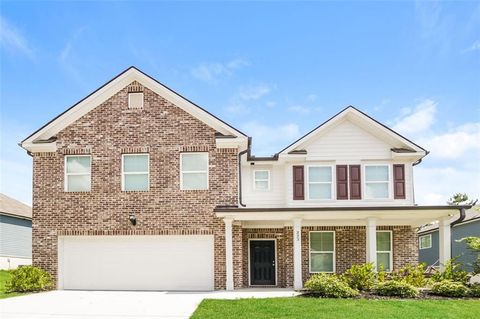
column 262, row 262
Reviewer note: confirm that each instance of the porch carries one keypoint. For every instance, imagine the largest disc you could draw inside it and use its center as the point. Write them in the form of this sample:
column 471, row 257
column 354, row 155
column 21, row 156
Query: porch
column 274, row 247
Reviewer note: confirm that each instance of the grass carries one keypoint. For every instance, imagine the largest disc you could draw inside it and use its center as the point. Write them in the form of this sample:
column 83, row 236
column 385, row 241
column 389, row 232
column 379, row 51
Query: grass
column 4, row 275
column 301, row 307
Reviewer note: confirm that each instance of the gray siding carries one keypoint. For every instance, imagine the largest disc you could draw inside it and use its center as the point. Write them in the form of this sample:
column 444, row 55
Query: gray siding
column 15, row 237
column 464, row 255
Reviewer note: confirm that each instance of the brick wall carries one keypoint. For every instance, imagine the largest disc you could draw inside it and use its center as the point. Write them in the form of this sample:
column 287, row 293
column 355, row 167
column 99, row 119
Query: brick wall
column 164, row 131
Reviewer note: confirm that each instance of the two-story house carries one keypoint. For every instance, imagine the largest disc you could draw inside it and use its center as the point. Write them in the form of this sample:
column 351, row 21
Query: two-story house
column 138, row 188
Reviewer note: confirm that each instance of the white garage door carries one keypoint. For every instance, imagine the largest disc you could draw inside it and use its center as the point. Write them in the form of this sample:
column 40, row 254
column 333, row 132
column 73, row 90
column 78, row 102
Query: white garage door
column 136, row 262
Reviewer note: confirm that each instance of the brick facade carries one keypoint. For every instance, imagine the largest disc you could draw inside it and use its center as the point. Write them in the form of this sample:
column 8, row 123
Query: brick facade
column 164, row 131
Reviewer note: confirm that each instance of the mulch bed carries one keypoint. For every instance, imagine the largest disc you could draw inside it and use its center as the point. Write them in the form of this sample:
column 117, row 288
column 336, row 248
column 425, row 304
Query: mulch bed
column 423, row 294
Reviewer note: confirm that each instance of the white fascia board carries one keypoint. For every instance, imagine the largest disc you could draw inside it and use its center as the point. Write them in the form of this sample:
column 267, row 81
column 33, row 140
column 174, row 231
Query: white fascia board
column 40, row 147
column 408, row 156
column 238, row 142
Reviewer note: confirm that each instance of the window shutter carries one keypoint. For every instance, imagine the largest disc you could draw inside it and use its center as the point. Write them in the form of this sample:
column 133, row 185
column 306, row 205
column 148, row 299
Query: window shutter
column 355, row 182
column 399, row 181
column 342, row 182
column 298, row 183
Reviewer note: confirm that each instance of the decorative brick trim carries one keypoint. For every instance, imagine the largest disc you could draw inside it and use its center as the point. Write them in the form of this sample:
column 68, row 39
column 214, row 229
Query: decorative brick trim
column 76, row 151
column 194, row 148
column 132, row 232
column 134, row 87
column 135, row 149
column 227, row 150
column 45, row 154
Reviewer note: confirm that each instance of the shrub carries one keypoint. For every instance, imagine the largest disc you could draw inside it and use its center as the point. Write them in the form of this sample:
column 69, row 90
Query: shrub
column 475, row 290
column 451, row 273
column 382, row 274
column 413, row 275
column 449, row 288
column 396, row 288
column 27, row 279
column 361, row 277
column 330, row 286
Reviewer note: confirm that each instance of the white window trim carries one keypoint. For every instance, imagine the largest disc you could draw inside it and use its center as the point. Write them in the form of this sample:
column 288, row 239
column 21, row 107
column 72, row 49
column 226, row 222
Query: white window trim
column 136, row 173
column 310, row 251
column 387, row 251
column 65, row 176
column 332, row 186
column 261, row 180
column 207, row 171
column 389, row 182
column 420, row 241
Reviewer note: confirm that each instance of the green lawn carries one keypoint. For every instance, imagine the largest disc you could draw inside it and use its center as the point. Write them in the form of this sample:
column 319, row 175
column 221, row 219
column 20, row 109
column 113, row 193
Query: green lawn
column 301, row 307
column 4, row 275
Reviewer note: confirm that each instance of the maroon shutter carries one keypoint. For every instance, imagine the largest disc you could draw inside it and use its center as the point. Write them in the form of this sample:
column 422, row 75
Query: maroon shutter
column 342, row 182
column 399, row 181
column 298, row 183
column 355, row 182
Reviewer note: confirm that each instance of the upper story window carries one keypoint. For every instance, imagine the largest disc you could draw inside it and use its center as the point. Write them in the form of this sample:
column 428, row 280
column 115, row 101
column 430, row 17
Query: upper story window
column 261, row 180
column 425, row 241
column 384, row 250
column 322, row 251
column 135, row 172
column 78, row 173
column 194, row 171
column 319, row 182
column 377, row 181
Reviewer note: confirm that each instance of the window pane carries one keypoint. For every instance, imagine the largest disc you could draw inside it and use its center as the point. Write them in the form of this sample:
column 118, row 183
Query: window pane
column 425, row 241
column 261, row 175
column 194, row 181
column 320, row 191
column 376, row 173
column 319, row 174
column 321, row 262
column 135, row 163
column 321, row 241
column 78, row 164
column 383, row 259
column 261, row 185
column 78, row 183
column 383, row 241
column 376, row 190
column 136, row 182
column 194, row 162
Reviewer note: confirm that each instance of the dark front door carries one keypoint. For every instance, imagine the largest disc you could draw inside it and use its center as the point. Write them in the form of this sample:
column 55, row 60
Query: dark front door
column 262, row 262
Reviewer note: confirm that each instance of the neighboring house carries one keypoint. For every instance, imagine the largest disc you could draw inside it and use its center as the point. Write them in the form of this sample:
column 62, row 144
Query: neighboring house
column 428, row 240
column 15, row 233
column 137, row 188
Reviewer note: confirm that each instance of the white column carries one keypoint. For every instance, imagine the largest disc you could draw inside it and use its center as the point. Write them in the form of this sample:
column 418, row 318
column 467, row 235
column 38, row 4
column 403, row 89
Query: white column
column 228, row 253
column 297, row 254
column 444, row 241
column 371, row 233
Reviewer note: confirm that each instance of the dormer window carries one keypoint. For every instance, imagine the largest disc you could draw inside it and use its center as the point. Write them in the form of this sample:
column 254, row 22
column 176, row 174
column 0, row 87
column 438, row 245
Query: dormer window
column 135, row 100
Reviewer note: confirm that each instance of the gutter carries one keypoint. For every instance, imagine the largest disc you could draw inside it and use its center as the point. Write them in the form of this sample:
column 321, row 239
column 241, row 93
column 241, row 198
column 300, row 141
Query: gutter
column 460, row 219
column 240, row 199
column 420, row 160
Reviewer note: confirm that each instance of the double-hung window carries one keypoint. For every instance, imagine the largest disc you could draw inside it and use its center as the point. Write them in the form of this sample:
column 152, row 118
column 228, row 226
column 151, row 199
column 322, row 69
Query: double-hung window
column 319, row 182
column 384, row 250
column 78, row 173
column 377, row 181
column 322, row 251
column 425, row 241
column 135, row 172
column 261, row 180
column 194, row 171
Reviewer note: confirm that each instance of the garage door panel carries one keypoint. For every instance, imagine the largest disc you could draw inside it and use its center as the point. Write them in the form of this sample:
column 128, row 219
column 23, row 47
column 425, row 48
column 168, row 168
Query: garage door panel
column 136, row 262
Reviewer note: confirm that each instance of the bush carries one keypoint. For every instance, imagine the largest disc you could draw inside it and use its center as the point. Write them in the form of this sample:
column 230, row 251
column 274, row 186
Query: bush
column 28, row 279
column 449, row 288
column 361, row 277
column 475, row 290
column 451, row 273
column 396, row 288
column 413, row 275
column 330, row 286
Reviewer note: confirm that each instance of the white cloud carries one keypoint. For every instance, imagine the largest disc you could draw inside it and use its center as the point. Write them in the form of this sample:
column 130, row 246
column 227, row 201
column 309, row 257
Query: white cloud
column 267, row 140
column 299, row 109
column 474, row 47
column 13, row 40
column 256, row 92
column 418, row 120
column 213, row 71
column 239, row 103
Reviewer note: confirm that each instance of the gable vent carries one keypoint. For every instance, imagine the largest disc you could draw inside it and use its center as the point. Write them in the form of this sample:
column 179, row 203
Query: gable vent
column 135, row 95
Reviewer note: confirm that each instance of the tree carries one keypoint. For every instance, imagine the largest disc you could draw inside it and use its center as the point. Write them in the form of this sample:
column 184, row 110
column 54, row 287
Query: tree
column 461, row 199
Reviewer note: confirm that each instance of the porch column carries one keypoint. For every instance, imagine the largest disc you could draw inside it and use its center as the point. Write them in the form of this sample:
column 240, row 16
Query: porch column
column 445, row 242
column 297, row 254
column 228, row 253
column 371, row 233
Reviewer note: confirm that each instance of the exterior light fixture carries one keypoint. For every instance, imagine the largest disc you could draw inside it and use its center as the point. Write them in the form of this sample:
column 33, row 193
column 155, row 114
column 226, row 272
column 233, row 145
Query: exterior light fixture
column 132, row 219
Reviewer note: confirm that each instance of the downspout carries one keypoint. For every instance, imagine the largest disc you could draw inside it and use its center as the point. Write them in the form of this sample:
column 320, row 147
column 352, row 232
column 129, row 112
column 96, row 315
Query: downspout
column 461, row 218
column 240, row 199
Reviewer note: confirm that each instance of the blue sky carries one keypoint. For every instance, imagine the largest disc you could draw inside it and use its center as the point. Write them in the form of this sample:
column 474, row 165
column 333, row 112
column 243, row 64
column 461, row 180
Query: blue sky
column 273, row 69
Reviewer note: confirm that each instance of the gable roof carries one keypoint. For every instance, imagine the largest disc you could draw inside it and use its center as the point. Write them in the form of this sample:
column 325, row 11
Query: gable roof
column 45, row 134
column 12, row 207
column 359, row 115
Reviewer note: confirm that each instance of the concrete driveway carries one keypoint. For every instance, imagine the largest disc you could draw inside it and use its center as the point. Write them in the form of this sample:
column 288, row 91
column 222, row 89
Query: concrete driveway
column 119, row 304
